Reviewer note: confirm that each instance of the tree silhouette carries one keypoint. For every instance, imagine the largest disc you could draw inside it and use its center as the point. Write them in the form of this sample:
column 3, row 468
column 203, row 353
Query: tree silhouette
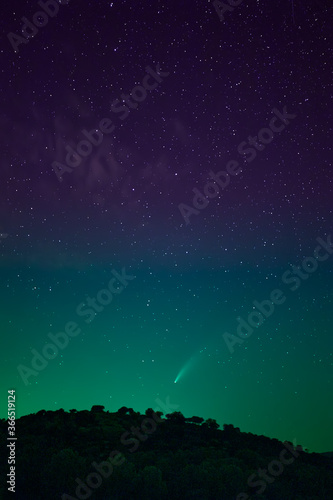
column 176, row 417
column 184, row 458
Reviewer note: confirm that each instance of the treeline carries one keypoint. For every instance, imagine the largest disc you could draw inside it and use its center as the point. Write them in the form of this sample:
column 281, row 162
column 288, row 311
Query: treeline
column 126, row 455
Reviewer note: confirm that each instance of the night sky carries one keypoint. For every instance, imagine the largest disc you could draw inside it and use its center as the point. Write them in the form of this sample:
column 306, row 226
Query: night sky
column 203, row 184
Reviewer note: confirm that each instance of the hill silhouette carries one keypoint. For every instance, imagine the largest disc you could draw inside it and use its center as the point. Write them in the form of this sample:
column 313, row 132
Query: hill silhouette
column 127, row 455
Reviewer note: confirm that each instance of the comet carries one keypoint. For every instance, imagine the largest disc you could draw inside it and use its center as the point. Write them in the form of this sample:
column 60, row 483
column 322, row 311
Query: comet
column 185, row 368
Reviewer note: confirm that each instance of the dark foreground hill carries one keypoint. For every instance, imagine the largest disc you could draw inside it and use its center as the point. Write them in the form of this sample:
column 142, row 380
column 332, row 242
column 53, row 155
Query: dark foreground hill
column 126, row 455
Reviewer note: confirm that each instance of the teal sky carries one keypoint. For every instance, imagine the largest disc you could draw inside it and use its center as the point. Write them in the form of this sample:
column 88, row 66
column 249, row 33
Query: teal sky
column 132, row 351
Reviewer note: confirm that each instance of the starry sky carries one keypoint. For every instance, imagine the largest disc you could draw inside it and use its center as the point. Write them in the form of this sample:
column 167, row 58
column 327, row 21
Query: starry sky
column 183, row 90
